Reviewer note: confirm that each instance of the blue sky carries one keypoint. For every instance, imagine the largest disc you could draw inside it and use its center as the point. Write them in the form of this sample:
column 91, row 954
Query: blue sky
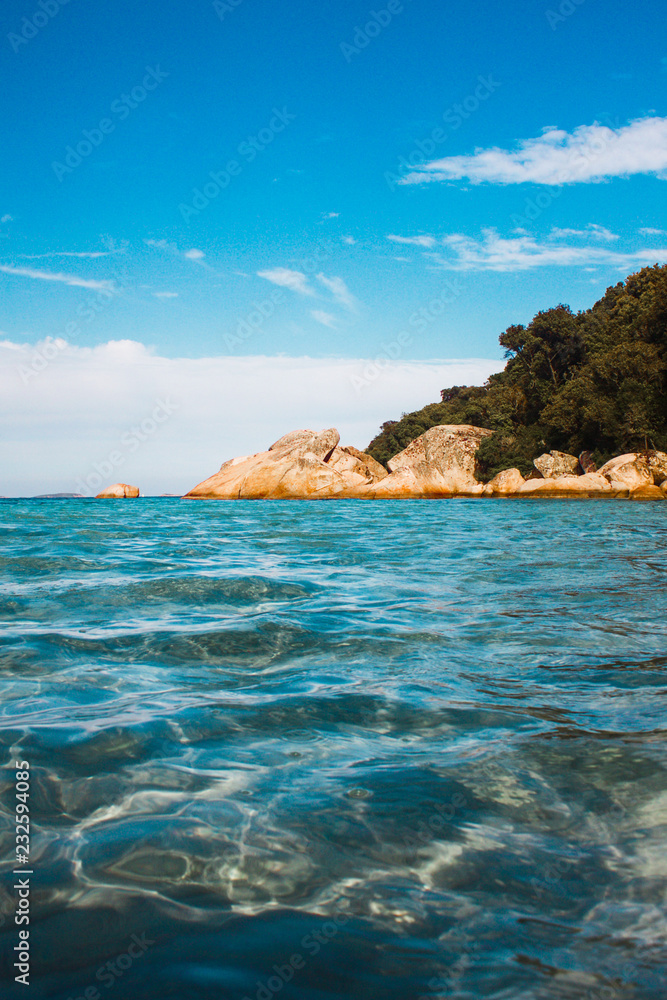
column 392, row 183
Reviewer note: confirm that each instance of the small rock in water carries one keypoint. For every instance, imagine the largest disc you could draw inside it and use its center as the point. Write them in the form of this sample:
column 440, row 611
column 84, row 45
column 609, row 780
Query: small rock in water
column 119, row 491
column 358, row 793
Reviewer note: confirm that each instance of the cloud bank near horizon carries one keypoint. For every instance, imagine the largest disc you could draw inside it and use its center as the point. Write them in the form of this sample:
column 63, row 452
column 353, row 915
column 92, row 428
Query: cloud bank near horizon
column 119, row 412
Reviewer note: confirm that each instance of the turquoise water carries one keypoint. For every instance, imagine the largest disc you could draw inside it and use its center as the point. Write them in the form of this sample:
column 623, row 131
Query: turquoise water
column 315, row 751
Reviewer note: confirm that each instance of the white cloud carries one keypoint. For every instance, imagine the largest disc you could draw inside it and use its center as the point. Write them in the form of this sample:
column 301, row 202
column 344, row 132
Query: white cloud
column 339, row 290
column 68, row 253
column 73, row 414
column 649, row 231
column 296, row 281
column 590, row 153
column 331, row 215
column 325, row 318
column 165, row 295
column 192, row 254
column 350, row 240
column 495, row 253
column 6, row 218
column 592, row 230
column 418, row 241
column 67, row 279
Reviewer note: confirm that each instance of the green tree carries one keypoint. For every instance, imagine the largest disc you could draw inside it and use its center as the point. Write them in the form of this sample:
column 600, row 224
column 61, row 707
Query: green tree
column 595, row 381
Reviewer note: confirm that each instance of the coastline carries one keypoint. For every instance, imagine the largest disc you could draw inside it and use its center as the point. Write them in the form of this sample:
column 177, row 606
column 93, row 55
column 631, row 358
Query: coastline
column 439, row 464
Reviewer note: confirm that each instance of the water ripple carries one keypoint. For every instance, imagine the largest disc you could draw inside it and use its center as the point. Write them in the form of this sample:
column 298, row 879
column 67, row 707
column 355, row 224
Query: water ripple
column 420, row 746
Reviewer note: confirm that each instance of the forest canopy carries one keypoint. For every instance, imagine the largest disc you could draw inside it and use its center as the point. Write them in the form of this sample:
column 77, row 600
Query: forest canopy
column 589, row 381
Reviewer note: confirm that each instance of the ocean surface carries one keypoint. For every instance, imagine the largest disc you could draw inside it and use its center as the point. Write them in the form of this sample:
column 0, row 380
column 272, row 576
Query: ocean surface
column 340, row 749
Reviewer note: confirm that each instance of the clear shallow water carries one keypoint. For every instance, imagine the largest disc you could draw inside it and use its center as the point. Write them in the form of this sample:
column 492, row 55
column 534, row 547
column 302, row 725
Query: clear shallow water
column 415, row 748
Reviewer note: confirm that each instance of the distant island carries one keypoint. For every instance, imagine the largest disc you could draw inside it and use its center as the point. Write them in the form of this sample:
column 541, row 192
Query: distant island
column 59, row 496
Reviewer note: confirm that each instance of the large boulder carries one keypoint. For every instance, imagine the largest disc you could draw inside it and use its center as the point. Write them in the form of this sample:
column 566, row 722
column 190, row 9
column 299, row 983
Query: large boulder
column 557, row 463
column 636, row 470
column 118, row 491
column 352, row 461
column 657, row 462
column 628, row 472
column 440, row 462
column 650, row 492
column 307, row 464
column 589, row 484
column 408, row 483
column 375, row 470
column 308, row 442
column 302, row 464
column 401, row 484
column 506, row 483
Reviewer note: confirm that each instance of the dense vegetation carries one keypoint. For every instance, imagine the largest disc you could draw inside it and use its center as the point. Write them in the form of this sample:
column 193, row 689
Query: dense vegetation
column 593, row 381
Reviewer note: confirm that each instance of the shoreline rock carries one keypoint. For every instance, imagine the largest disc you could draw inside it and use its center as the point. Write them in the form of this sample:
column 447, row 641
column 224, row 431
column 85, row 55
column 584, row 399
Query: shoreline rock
column 590, row 482
column 119, row 491
column 506, row 483
column 636, row 470
column 554, row 464
column 440, row 463
column 304, row 464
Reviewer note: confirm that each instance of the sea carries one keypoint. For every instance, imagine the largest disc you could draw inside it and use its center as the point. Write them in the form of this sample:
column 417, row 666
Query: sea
column 387, row 750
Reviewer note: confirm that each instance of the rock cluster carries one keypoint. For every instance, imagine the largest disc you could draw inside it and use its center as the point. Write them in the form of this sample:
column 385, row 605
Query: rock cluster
column 636, row 475
column 305, row 464
column 302, row 464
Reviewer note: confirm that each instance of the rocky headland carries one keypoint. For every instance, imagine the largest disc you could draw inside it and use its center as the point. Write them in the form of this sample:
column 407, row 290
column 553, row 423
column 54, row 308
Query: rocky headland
column 441, row 462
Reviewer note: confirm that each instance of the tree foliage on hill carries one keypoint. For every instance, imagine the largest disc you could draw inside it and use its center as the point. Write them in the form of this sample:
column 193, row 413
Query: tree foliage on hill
column 592, row 381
